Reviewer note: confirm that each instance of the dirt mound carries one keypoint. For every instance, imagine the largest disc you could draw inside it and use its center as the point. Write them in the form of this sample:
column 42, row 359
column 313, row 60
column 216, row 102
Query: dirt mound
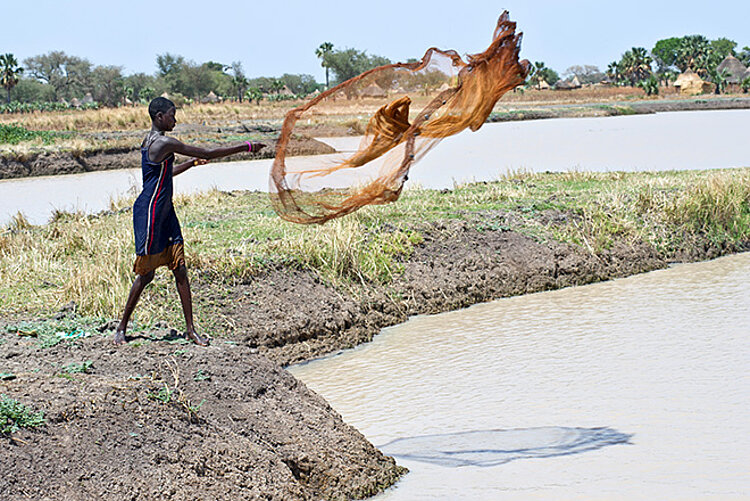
column 173, row 421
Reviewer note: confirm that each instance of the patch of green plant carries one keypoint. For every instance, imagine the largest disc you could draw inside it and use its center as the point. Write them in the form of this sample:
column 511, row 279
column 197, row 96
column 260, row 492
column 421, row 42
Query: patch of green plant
column 164, row 395
column 14, row 134
column 14, row 415
column 7, row 376
column 78, row 368
column 51, row 332
column 200, row 376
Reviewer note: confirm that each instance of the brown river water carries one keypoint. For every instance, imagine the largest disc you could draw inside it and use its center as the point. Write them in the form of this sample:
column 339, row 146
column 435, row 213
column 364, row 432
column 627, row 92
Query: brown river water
column 636, row 388
column 663, row 141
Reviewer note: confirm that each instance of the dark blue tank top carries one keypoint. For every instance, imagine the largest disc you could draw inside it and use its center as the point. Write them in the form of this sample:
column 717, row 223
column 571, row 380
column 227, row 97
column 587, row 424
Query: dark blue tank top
column 155, row 223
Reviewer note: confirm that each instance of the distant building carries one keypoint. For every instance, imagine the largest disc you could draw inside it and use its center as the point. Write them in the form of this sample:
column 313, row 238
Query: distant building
column 373, row 90
column 734, row 68
column 689, row 83
column 570, row 84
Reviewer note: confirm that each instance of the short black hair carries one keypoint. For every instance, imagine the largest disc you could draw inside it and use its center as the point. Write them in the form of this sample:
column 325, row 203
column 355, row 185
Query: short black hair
column 159, row 104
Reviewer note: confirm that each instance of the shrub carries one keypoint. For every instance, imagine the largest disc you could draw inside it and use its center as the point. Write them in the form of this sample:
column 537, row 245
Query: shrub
column 15, row 415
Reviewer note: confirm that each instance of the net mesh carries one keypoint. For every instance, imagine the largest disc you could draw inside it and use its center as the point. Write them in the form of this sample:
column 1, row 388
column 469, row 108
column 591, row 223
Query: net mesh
column 454, row 95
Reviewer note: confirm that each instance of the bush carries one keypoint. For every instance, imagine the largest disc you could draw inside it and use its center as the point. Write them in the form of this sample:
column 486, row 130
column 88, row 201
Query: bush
column 15, row 415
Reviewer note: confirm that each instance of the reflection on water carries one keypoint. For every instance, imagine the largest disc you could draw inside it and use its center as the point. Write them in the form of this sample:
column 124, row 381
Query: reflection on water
column 662, row 356
column 597, row 144
column 495, row 447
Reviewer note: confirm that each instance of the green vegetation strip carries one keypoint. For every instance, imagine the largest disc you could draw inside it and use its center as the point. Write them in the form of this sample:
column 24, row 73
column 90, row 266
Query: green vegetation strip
column 15, row 134
column 233, row 236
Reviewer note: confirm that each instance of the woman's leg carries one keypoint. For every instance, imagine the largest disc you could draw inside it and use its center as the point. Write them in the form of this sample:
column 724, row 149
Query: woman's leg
column 186, row 298
column 140, row 283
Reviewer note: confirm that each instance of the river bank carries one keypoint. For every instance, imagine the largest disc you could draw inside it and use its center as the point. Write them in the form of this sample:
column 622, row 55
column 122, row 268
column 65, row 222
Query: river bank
column 118, row 149
column 229, row 421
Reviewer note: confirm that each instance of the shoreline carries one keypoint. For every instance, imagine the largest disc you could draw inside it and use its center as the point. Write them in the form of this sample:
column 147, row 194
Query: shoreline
column 227, row 419
column 33, row 164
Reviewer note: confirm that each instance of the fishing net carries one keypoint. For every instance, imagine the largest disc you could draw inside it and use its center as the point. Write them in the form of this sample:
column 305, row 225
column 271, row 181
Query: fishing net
column 454, row 95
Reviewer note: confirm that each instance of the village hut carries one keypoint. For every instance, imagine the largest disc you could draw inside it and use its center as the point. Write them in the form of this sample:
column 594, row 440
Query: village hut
column 373, row 90
column 165, row 95
column 210, row 98
column 689, row 83
column 88, row 98
column 542, row 85
column 569, row 84
column 75, row 102
column 734, row 68
column 444, row 87
column 286, row 91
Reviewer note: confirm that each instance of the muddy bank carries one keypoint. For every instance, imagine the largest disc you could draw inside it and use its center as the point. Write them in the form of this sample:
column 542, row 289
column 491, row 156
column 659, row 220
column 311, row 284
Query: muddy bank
column 48, row 164
column 161, row 419
column 171, row 421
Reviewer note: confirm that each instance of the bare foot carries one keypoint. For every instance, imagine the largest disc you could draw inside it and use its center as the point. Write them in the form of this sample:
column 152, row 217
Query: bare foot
column 120, row 337
column 194, row 337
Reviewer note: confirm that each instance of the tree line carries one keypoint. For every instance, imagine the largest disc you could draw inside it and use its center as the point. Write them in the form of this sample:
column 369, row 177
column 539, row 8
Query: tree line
column 666, row 60
column 57, row 76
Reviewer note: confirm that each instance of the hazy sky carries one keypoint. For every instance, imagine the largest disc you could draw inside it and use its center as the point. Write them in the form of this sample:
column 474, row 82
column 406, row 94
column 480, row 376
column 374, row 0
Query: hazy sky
column 271, row 38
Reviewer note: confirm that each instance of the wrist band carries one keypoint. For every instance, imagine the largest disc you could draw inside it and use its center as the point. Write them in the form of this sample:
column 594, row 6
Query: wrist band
column 249, row 146
column 195, row 162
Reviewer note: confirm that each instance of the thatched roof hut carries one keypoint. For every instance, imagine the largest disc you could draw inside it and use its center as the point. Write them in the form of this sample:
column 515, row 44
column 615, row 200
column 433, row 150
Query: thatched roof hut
column 542, row 85
column 373, row 90
column 733, row 67
column 286, row 91
column 570, row 84
column 691, row 84
column 210, row 98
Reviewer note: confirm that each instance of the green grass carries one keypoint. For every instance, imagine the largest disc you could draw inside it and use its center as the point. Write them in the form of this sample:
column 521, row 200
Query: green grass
column 232, row 237
column 14, row 415
column 15, row 134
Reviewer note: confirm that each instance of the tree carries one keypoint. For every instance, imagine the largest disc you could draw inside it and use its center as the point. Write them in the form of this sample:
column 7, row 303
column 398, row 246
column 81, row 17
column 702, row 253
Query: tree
column 70, row 76
column 276, row 85
column 635, row 65
column 169, row 63
column 650, row 85
column 142, row 86
column 10, row 72
column 744, row 56
column 349, row 63
column 322, row 53
column 719, row 78
column 665, row 52
column 300, row 85
column 239, row 80
column 693, row 54
column 109, row 85
column 586, row 73
column 254, row 94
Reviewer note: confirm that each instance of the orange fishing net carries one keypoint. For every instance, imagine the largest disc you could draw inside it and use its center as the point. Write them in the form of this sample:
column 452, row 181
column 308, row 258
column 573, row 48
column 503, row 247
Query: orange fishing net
column 456, row 95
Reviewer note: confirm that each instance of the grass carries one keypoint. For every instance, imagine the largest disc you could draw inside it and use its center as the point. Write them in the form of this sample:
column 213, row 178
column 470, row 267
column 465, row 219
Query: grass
column 14, row 415
column 231, row 237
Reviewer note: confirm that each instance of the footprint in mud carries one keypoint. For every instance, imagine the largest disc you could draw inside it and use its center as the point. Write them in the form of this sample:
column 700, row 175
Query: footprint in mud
column 495, row 447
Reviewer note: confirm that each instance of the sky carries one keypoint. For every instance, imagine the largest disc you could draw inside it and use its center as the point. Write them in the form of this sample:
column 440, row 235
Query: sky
column 272, row 38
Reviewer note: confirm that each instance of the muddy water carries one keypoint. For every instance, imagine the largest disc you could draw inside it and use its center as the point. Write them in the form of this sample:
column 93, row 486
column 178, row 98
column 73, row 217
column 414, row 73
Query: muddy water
column 632, row 389
column 681, row 140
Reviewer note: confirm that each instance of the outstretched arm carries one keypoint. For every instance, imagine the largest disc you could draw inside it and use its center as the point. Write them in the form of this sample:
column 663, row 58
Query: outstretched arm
column 164, row 147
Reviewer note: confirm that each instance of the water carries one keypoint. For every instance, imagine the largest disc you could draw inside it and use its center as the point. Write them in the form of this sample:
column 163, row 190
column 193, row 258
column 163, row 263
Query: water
column 632, row 389
column 681, row 140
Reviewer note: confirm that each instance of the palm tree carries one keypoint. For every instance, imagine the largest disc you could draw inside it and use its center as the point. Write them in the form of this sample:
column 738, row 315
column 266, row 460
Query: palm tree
column 693, row 54
column 9, row 72
column 322, row 53
column 635, row 65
